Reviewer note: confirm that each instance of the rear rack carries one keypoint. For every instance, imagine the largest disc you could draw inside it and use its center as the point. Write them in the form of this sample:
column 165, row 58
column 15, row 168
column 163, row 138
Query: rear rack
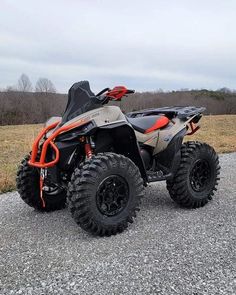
column 180, row 112
column 49, row 141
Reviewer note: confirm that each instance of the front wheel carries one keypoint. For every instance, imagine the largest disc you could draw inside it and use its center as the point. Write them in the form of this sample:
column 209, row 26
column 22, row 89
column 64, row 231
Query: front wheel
column 28, row 186
column 105, row 194
column 197, row 177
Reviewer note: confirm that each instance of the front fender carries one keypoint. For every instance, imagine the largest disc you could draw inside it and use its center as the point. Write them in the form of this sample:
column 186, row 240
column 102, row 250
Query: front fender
column 52, row 120
column 123, row 140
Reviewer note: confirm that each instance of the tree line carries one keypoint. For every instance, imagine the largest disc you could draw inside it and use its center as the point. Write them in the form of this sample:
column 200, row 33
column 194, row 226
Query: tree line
column 19, row 105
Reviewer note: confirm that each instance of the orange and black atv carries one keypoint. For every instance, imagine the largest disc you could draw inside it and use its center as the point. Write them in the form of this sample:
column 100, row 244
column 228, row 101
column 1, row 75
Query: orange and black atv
column 98, row 160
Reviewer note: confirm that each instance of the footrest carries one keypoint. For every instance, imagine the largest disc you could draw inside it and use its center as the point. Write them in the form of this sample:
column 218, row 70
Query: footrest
column 158, row 176
column 155, row 176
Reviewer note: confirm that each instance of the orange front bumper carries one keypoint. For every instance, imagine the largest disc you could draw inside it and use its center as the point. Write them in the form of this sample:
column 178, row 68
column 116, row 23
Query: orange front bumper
column 49, row 141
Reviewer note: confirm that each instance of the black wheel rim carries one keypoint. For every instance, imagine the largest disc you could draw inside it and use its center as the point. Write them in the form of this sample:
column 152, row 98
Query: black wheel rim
column 112, row 195
column 200, row 175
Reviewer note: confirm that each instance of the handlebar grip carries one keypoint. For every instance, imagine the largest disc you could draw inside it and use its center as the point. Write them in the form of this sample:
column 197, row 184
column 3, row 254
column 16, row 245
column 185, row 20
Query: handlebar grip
column 129, row 91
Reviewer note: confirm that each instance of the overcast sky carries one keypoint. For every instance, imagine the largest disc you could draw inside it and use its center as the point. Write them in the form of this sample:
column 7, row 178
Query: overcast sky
column 145, row 45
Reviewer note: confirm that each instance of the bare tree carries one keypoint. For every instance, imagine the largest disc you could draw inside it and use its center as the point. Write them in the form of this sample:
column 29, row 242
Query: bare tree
column 45, row 85
column 24, row 83
column 11, row 88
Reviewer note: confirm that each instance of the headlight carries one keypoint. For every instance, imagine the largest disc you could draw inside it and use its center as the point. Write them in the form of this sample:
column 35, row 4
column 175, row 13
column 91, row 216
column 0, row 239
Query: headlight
column 79, row 131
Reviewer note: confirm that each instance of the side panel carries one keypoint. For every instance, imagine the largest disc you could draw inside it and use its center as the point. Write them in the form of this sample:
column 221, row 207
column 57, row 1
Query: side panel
column 166, row 135
column 161, row 138
column 149, row 138
column 101, row 116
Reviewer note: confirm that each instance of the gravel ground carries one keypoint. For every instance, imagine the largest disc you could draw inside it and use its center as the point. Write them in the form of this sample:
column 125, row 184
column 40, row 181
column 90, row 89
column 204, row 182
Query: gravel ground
column 168, row 250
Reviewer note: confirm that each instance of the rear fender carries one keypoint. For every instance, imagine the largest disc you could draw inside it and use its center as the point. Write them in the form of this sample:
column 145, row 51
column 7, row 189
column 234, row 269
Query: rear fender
column 169, row 159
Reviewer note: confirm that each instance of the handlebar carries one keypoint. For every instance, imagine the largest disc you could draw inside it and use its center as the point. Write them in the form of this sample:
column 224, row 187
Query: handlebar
column 113, row 94
column 103, row 91
column 118, row 92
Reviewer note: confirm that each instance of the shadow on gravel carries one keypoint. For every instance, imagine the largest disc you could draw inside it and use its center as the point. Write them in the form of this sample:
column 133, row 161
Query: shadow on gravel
column 157, row 208
column 60, row 224
column 157, row 197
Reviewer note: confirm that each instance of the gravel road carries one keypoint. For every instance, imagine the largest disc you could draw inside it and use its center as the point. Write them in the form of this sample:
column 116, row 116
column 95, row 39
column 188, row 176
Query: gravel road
column 168, row 250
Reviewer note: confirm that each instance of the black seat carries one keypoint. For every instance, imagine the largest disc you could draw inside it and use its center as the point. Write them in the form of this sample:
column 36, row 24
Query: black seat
column 149, row 123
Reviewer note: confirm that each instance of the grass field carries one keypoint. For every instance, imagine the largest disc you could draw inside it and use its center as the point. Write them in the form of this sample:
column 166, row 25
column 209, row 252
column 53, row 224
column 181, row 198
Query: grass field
column 16, row 141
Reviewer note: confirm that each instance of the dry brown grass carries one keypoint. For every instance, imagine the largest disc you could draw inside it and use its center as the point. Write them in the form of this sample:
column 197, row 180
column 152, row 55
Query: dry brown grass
column 16, row 141
column 218, row 131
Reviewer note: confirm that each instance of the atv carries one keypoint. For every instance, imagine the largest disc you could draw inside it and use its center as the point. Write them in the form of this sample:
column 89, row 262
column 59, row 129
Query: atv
column 98, row 160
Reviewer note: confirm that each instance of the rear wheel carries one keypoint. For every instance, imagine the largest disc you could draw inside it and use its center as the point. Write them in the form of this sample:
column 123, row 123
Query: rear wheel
column 197, row 177
column 28, row 186
column 105, row 194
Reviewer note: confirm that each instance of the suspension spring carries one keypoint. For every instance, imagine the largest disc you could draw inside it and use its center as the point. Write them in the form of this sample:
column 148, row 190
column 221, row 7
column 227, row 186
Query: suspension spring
column 88, row 150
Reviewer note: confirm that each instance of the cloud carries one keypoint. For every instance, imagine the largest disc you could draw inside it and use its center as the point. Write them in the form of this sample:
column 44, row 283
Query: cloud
column 150, row 44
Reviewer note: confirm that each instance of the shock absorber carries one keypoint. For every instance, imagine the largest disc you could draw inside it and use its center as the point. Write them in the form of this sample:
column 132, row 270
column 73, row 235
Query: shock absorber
column 88, row 148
